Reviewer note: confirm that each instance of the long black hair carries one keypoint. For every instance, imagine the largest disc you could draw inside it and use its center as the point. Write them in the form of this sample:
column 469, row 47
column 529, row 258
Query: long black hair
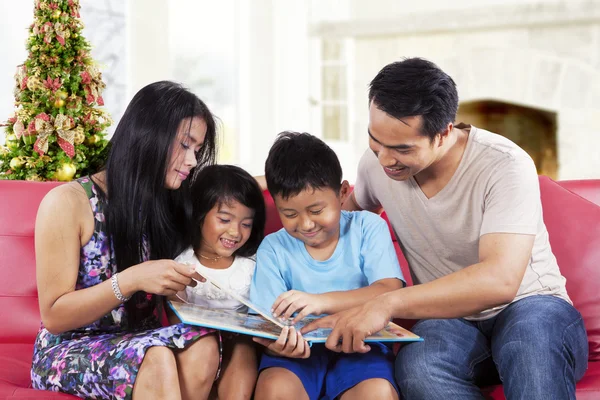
column 143, row 217
column 218, row 184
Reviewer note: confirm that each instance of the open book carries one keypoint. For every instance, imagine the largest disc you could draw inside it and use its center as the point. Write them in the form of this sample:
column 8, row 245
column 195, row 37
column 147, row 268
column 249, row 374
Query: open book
column 264, row 324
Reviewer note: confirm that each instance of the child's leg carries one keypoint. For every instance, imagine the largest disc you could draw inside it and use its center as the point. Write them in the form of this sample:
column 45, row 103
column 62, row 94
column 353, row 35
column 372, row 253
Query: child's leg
column 375, row 388
column 293, row 378
column 197, row 366
column 240, row 369
column 279, row 383
column 363, row 376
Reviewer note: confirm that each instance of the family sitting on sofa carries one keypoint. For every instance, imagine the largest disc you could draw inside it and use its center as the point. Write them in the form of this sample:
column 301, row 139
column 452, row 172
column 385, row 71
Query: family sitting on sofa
column 465, row 206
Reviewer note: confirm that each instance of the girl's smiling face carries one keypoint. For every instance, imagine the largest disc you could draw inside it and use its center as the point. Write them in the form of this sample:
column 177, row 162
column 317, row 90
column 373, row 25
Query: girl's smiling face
column 226, row 228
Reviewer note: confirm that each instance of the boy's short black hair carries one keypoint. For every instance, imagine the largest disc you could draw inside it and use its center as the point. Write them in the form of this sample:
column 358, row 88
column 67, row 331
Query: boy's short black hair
column 298, row 161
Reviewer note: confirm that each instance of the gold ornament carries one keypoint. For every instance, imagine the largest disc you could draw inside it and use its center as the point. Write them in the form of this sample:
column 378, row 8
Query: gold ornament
column 16, row 163
column 93, row 139
column 12, row 141
column 61, row 94
column 58, row 103
column 65, row 172
column 56, row 14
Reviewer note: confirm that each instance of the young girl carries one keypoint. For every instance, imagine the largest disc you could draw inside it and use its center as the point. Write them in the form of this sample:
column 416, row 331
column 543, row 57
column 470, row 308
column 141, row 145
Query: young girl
column 228, row 224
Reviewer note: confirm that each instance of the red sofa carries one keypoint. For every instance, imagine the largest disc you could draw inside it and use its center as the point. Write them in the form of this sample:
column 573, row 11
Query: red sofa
column 573, row 223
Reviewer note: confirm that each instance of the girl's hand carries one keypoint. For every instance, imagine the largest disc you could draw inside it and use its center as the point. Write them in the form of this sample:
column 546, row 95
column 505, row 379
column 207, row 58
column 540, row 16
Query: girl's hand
column 290, row 344
column 162, row 277
column 293, row 300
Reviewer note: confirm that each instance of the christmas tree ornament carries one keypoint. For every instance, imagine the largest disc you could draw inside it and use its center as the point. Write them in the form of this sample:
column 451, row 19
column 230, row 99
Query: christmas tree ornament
column 56, row 14
column 16, row 163
column 12, row 141
column 61, row 94
column 58, row 103
column 65, row 172
column 92, row 139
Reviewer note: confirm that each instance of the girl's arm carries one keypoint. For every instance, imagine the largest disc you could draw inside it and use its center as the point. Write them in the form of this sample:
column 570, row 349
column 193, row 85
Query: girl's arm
column 64, row 222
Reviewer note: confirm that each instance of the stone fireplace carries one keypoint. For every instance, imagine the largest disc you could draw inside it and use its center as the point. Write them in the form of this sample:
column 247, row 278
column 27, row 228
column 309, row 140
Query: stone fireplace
column 529, row 70
column 532, row 129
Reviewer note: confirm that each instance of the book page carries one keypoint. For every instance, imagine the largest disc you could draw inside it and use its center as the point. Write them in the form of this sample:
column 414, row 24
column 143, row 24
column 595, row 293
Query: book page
column 244, row 300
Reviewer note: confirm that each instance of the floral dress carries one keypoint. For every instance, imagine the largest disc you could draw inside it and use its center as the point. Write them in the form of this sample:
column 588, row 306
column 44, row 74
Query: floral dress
column 101, row 360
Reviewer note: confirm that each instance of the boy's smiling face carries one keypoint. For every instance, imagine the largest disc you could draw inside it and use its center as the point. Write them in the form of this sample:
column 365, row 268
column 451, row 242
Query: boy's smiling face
column 313, row 216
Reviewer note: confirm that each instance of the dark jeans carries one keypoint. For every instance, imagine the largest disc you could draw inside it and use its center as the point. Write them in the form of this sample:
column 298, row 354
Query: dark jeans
column 537, row 347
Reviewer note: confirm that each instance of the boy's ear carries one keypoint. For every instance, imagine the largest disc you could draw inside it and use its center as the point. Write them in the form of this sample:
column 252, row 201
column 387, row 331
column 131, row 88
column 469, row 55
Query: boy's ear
column 344, row 191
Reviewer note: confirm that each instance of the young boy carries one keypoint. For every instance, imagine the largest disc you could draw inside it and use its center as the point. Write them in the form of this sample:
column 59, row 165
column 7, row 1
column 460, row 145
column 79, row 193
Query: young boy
column 324, row 260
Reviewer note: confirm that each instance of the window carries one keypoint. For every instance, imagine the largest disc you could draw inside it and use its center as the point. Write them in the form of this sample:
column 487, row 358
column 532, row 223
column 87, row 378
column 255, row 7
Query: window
column 334, row 89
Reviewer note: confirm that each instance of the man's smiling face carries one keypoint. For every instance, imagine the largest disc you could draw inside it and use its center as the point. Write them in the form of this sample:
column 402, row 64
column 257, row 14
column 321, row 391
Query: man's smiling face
column 403, row 151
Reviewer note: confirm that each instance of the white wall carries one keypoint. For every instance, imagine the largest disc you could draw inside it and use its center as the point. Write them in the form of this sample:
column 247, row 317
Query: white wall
column 17, row 16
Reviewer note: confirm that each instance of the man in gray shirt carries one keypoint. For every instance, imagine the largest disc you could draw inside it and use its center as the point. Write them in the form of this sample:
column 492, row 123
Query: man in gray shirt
column 465, row 206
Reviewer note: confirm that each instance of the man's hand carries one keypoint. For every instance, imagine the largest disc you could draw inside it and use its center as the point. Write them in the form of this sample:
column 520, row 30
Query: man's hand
column 289, row 344
column 293, row 300
column 351, row 327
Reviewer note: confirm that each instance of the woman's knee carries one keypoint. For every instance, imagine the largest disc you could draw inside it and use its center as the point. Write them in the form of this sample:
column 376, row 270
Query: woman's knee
column 158, row 369
column 201, row 359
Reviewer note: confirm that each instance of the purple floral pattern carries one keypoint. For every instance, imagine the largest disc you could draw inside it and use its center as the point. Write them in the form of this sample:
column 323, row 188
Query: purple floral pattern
column 101, row 360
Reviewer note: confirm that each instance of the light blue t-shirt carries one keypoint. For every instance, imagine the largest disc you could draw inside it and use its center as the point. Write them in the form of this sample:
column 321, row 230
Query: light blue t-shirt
column 364, row 254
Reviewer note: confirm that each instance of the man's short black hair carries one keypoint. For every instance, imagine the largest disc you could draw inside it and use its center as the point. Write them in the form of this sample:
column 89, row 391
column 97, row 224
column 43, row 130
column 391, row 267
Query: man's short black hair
column 298, row 161
column 416, row 87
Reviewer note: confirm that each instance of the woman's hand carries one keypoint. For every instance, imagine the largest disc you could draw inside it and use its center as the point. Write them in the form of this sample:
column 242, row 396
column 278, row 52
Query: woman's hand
column 290, row 344
column 162, row 277
column 294, row 300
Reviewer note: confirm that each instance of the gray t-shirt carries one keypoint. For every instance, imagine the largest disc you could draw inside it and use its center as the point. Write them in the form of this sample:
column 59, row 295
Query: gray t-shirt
column 495, row 189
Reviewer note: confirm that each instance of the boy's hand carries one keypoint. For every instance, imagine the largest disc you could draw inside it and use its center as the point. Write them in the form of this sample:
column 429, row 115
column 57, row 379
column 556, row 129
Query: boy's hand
column 289, row 344
column 293, row 300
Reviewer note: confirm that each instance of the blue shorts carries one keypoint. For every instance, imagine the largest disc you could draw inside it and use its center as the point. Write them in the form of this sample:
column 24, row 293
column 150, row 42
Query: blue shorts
column 326, row 374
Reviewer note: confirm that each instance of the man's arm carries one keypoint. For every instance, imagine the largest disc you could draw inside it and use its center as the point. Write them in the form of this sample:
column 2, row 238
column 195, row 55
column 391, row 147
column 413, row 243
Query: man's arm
column 352, row 205
column 331, row 302
column 493, row 281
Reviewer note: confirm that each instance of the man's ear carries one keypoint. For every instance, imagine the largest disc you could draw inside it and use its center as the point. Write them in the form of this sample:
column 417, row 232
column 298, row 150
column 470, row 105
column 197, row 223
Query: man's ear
column 344, row 191
column 445, row 133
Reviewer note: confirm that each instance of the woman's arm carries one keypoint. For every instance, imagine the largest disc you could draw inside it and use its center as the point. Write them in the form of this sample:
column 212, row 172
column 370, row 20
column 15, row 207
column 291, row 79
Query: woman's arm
column 62, row 227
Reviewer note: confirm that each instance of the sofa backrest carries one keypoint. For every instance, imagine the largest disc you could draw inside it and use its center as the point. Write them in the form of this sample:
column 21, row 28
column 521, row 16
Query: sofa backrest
column 573, row 225
column 19, row 310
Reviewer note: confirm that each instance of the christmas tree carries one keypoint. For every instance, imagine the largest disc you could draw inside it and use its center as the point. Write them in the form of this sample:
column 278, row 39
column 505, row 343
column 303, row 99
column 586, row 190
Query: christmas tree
column 57, row 131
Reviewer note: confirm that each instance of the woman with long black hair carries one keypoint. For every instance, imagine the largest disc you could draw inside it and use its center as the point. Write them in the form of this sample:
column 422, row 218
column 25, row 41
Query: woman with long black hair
column 104, row 250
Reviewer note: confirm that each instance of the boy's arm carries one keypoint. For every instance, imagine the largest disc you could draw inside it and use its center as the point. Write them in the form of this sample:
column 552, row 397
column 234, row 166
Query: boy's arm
column 380, row 267
column 267, row 284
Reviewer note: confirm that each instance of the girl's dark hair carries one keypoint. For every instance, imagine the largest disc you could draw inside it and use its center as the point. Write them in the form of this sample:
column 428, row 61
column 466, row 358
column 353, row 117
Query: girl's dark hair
column 218, row 184
column 140, row 210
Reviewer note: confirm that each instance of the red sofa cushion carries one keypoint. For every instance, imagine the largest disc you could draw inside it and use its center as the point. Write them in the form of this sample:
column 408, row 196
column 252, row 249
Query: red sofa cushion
column 589, row 189
column 19, row 311
column 574, row 227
